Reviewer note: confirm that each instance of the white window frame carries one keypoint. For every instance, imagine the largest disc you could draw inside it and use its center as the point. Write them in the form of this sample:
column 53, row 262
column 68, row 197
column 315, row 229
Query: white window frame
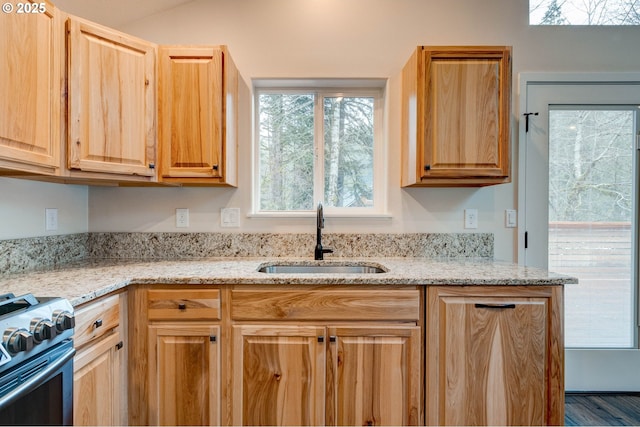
column 323, row 88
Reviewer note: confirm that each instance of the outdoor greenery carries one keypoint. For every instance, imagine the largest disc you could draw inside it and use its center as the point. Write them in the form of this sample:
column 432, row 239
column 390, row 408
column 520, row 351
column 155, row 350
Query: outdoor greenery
column 286, row 151
column 288, row 154
column 584, row 12
column 591, row 165
column 348, row 152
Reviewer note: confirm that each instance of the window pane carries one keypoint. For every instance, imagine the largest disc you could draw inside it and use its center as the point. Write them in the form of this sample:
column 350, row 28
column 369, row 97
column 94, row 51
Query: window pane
column 590, row 222
column 581, row 12
column 286, row 151
column 348, row 151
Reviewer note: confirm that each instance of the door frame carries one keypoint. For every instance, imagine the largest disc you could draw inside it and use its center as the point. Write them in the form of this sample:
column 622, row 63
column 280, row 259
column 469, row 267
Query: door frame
column 613, row 361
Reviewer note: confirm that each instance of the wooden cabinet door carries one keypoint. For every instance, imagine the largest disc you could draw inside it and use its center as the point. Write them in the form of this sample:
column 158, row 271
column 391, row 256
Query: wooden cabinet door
column 96, row 383
column 111, row 81
column 191, row 111
column 456, row 116
column 30, row 89
column 278, row 375
column 198, row 115
column 494, row 359
column 184, row 374
column 373, row 376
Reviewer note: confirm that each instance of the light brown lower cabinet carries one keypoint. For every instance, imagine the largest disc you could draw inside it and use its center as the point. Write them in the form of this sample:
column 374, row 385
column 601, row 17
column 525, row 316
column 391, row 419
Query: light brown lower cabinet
column 175, row 366
column 96, row 384
column 100, row 364
column 346, row 355
column 326, row 355
column 325, row 375
column 184, row 380
column 494, row 356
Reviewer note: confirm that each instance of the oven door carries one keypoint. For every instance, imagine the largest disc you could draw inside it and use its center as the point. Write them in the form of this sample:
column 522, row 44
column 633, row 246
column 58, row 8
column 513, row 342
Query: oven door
column 39, row 391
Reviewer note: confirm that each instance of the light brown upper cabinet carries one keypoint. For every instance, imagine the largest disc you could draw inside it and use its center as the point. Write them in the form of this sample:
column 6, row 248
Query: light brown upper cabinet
column 30, row 90
column 111, row 102
column 197, row 119
column 456, row 104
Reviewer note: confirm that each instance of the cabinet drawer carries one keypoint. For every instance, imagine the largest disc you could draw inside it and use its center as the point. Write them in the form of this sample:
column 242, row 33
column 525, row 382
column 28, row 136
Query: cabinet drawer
column 96, row 319
column 187, row 304
column 401, row 304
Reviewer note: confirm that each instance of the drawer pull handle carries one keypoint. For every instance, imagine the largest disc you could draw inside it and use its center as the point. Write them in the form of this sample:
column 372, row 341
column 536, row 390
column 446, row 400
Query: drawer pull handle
column 97, row 323
column 182, row 306
column 497, row 306
column 213, row 338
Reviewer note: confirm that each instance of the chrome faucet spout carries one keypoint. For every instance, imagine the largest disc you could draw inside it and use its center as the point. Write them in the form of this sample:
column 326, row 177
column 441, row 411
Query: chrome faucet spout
column 320, row 251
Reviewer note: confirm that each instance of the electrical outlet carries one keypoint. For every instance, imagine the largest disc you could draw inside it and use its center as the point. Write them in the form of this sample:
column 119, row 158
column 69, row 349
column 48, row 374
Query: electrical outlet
column 182, row 218
column 510, row 218
column 471, row 218
column 230, row 217
column 51, row 219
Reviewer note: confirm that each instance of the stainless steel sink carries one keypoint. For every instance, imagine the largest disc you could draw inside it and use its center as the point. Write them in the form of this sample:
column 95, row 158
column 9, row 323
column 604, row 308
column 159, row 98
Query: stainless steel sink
column 321, row 268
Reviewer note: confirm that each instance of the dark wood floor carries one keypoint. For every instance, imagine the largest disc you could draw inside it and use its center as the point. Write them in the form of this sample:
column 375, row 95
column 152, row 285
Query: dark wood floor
column 602, row 409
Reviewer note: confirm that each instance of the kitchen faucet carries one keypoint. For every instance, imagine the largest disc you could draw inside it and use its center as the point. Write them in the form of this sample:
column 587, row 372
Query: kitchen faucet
column 320, row 251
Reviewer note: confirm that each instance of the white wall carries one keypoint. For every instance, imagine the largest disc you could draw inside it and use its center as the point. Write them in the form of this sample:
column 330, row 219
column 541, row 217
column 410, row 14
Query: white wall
column 23, row 203
column 355, row 38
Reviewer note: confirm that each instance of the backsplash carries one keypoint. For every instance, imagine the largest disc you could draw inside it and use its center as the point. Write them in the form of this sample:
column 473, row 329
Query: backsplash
column 36, row 253
column 51, row 251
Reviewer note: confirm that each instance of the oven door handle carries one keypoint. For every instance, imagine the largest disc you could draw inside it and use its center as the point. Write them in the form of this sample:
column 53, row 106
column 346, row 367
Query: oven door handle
column 37, row 380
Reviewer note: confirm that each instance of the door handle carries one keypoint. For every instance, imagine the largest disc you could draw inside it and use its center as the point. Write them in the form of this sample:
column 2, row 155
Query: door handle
column 496, row 306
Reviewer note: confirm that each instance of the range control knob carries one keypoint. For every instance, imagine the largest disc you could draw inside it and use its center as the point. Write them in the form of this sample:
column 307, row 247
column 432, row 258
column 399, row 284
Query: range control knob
column 63, row 320
column 17, row 340
column 43, row 329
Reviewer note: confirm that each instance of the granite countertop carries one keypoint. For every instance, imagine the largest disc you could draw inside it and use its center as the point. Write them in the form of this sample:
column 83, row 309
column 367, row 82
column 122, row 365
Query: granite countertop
column 87, row 280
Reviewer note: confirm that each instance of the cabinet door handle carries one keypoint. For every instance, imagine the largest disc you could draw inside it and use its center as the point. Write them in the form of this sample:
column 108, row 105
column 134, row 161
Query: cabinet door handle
column 182, row 306
column 332, row 338
column 321, row 338
column 497, row 306
column 97, row 323
column 119, row 345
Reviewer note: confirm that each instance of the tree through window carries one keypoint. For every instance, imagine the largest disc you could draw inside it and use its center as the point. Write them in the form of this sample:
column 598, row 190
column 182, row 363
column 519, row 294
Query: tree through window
column 316, row 145
column 584, row 12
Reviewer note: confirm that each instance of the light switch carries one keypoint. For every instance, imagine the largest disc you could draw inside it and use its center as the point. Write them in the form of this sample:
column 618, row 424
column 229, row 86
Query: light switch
column 230, row 217
column 50, row 219
column 182, row 218
column 471, row 218
column 510, row 218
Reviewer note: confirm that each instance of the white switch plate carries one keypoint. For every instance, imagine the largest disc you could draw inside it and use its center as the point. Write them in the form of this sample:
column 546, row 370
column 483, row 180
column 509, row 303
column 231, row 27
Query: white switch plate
column 471, row 218
column 230, row 217
column 51, row 219
column 182, row 217
column 510, row 218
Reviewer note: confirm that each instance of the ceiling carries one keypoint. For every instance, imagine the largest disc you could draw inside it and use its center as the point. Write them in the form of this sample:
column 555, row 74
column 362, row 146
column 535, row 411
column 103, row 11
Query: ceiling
column 116, row 13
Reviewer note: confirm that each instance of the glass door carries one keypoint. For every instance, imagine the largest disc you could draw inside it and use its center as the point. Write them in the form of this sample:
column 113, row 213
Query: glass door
column 591, row 212
column 581, row 219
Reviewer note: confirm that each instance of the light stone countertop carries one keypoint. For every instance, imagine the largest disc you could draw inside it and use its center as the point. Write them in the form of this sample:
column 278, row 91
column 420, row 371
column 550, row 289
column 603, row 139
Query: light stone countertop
column 87, row 280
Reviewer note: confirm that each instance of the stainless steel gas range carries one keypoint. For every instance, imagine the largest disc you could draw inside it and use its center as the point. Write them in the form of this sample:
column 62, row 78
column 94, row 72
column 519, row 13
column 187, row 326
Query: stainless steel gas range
column 36, row 360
